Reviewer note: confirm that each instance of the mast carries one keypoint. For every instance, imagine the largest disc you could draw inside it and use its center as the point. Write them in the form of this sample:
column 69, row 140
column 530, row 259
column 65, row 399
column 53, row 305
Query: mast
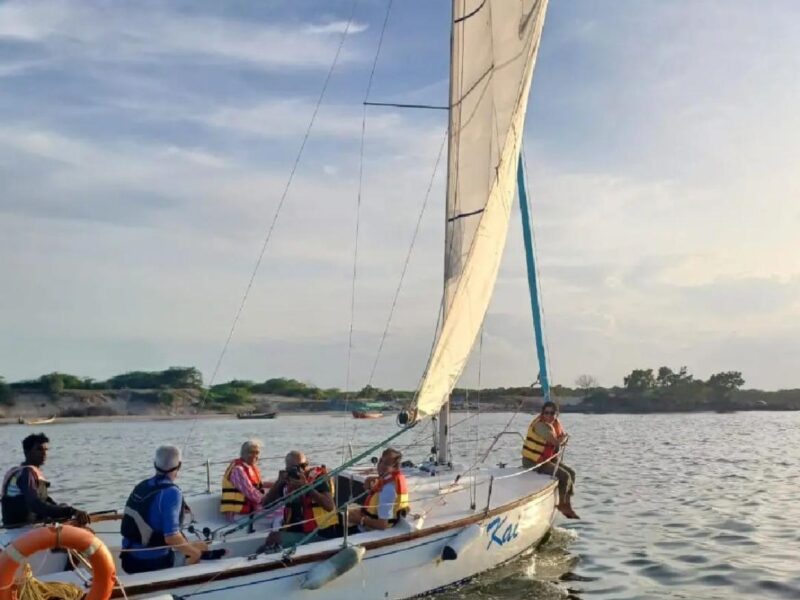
column 441, row 437
column 533, row 285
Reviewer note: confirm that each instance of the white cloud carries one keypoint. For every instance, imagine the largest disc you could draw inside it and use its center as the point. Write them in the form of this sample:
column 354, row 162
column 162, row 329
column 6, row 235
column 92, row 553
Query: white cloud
column 665, row 197
column 289, row 118
column 131, row 33
column 336, row 27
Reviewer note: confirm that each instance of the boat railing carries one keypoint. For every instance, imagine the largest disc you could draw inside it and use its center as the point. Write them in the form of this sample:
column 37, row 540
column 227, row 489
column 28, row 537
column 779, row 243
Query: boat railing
column 557, row 457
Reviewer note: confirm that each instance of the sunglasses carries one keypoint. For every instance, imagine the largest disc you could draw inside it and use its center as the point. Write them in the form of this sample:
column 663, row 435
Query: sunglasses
column 549, row 413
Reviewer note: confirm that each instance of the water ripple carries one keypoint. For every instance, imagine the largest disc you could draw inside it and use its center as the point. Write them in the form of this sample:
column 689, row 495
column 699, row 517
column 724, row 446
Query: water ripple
column 673, row 507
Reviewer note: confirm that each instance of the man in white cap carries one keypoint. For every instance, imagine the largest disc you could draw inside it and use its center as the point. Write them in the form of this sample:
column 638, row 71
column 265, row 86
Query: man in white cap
column 151, row 523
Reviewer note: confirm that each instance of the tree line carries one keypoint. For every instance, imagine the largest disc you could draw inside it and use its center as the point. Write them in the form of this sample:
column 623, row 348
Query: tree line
column 643, row 390
column 236, row 391
column 665, row 389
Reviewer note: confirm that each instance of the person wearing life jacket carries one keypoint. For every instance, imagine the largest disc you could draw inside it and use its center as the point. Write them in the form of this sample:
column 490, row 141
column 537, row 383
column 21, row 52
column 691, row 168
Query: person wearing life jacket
column 24, row 490
column 310, row 516
column 243, row 490
column 387, row 500
column 151, row 522
column 545, row 438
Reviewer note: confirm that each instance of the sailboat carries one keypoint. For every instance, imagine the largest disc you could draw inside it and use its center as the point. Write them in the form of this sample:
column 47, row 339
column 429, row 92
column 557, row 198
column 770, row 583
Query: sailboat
column 463, row 519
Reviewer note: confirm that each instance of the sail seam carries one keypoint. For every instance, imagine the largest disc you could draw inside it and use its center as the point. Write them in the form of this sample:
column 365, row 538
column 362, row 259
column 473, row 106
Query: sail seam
column 465, row 215
column 472, row 14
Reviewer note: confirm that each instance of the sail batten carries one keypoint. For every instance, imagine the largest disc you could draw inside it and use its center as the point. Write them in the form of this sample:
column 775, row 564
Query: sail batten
column 493, row 53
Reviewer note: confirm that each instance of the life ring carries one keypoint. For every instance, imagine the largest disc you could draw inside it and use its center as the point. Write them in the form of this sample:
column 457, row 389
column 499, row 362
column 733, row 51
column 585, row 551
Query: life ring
column 59, row 536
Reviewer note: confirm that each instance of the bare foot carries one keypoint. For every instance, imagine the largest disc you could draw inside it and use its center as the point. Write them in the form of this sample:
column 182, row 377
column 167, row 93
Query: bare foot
column 567, row 511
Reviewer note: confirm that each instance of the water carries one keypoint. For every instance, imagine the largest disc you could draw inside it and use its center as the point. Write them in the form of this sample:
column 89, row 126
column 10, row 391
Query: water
column 674, row 506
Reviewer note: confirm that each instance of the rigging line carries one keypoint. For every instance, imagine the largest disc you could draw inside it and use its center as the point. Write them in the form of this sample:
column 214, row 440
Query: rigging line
column 408, row 258
column 358, row 219
column 401, row 105
column 478, row 401
column 279, row 207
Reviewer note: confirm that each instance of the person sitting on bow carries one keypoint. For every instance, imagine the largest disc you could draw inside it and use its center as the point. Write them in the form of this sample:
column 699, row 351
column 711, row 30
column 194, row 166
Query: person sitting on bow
column 387, row 500
column 151, row 522
column 243, row 490
column 545, row 438
column 25, row 498
column 309, row 516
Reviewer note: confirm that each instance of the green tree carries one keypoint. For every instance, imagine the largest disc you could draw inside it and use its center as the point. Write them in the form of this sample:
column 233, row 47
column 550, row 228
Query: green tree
column 640, row 380
column 52, row 383
column 664, row 377
column 174, row 378
column 368, row 392
column 229, row 394
column 725, row 383
column 6, row 394
column 667, row 378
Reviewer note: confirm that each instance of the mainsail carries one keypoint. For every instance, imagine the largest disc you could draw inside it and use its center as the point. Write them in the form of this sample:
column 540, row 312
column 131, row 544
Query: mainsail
column 494, row 49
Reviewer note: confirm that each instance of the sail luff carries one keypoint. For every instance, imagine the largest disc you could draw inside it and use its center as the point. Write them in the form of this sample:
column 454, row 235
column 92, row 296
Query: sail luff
column 442, row 432
column 495, row 43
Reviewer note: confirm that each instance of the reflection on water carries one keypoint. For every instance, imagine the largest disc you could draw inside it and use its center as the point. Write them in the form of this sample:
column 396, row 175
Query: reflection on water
column 673, row 506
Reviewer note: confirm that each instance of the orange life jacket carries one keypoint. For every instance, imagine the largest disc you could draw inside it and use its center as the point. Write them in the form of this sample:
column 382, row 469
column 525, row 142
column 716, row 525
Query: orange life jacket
column 233, row 500
column 536, row 448
column 400, row 507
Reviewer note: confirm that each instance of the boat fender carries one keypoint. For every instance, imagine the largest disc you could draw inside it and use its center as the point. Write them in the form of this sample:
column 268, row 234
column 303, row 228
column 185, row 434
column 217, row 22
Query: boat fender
column 463, row 540
column 337, row 565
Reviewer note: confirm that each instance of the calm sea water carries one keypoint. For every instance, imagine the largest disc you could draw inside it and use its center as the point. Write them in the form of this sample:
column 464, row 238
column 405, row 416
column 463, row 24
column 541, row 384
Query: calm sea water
column 673, row 506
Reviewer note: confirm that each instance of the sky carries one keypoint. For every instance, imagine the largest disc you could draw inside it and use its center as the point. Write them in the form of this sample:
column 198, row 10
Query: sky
column 144, row 147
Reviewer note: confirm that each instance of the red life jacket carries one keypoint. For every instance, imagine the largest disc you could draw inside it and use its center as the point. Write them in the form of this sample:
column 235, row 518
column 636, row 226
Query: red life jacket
column 400, row 506
column 550, row 449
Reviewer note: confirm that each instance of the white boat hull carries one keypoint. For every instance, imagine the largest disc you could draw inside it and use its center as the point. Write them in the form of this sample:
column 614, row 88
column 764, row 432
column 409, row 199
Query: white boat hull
column 403, row 570
column 402, row 562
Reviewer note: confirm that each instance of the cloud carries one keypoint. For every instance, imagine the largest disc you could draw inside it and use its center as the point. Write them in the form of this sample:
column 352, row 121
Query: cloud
column 336, row 27
column 289, row 118
column 143, row 150
column 129, row 33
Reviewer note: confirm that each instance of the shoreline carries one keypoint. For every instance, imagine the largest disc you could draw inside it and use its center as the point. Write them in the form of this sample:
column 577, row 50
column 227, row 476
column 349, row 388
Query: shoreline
column 10, row 421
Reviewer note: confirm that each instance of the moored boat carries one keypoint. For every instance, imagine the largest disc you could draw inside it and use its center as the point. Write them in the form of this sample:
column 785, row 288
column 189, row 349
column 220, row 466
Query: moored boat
column 256, row 415
column 38, row 421
column 367, row 414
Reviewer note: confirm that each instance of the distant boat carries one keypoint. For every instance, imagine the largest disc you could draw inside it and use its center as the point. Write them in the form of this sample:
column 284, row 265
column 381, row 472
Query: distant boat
column 367, row 414
column 37, row 421
column 255, row 415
